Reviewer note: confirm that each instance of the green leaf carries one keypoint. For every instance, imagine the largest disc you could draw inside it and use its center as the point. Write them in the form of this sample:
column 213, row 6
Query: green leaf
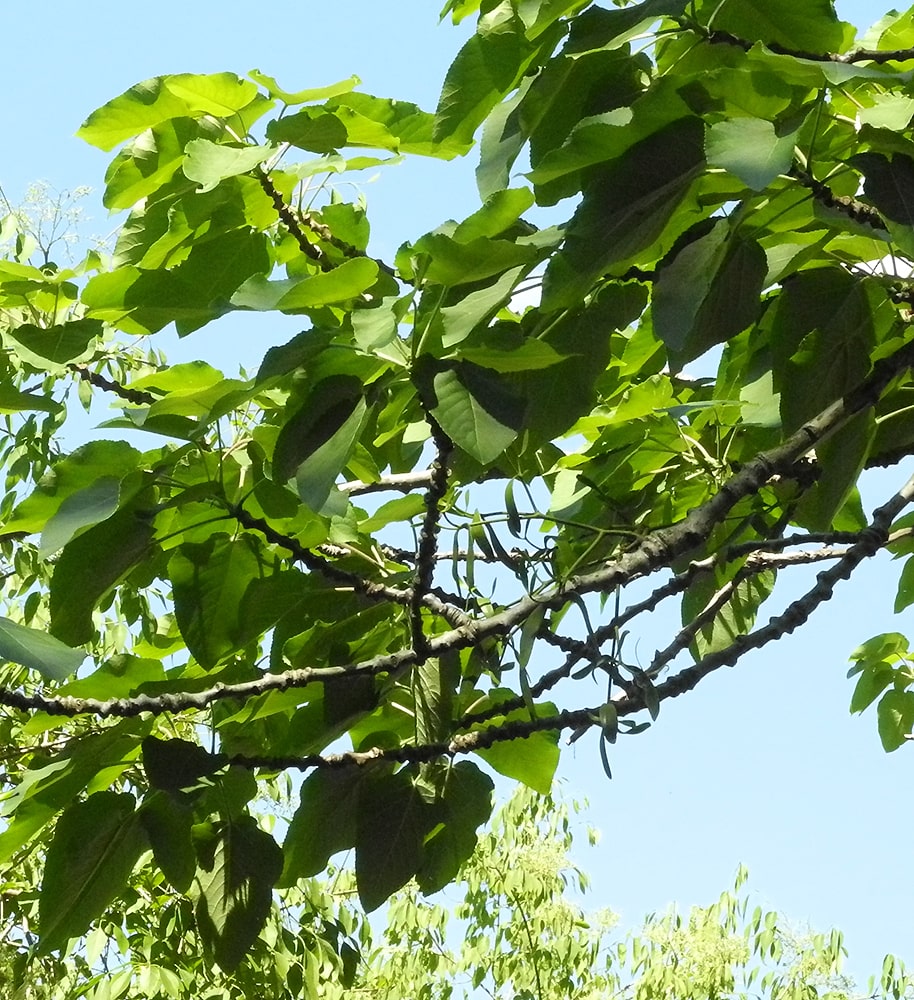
column 392, row 821
column 871, row 683
column 323, row 418
column 53, row 348
column 708, row 293
column 173, row 765
column 96, row 844
column 167, row 823
column 532, row 761
column 208, row 163
column 39, row 651
column 626, row 209
column 324, row 822
column 89, row 566
column 751, row 149
column 344, row 283
column 477, row 411
column 314, row 129
column 464, row 803
column 895, row 715
column 238, row 864
column 153, row 101
column 209, row 580
column 811, row 26
column 486, row 69
column 823, row 331
column 79, row 510
column 303, row 96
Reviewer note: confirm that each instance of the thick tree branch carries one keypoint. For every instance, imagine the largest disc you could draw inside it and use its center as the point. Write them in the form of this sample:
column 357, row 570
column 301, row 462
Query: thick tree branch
column 853, row 208
column 873, row 538
column 656, row 550
column 578, row 719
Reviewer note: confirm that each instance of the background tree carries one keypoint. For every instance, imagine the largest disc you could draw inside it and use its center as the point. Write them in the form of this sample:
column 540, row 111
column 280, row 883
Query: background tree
column 720, row 347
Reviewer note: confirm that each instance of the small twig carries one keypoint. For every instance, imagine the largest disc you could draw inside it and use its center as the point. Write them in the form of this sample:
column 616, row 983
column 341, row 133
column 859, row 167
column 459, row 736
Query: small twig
column 423, row 578
column 139, row 396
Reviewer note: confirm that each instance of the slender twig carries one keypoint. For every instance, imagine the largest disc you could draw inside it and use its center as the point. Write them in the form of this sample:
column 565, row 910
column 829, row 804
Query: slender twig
column 718, row 37
column 423, row 578
column 139, row 396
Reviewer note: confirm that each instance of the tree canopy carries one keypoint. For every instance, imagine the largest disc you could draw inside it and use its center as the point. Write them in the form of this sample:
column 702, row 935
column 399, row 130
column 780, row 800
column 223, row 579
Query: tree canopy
column 389, row 558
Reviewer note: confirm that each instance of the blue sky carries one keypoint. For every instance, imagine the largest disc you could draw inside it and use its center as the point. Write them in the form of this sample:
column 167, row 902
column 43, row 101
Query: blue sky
column 762, row 764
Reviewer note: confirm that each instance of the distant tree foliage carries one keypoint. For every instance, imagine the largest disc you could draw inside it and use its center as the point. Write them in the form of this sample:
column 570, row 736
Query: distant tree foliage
column 389, row 559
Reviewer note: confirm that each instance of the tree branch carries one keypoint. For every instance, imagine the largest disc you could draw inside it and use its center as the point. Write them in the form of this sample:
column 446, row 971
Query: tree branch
column 423, row 578
column 873, row 538
column 139, row 396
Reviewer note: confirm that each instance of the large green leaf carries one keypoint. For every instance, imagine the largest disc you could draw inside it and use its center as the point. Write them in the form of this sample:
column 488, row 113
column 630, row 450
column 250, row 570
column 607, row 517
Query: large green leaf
column 79, row 510
column 345, row 282
column 238, row 864
column 392, row 822
column 321, row 430
column 314, row 129
column 89, row 566
column 486, row 69
column 96, row 844
column 77, row 471
column 38, row 651
column 708, row 293
column 464, row 803
column 208, row 163
column 167, row 822
column 625, row 209
column 209, row 580
column 810, row 26
column 190, row 295
column 163, row 97
column 895, row 718
column 324, row 822
column 751, row 149
column 823, row 331
column 173, row 765
column 477, row 410
column 52, row 349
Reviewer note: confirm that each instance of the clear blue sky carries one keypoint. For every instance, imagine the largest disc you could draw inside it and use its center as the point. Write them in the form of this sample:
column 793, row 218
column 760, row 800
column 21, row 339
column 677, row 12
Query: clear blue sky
column 762, row 764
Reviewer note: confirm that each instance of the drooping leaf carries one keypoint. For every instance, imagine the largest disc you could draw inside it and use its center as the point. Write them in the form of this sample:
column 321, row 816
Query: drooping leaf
column 895, row 716
column 89, row 566
column 209, row 580
column 167, row 822
column 477, row 411
column 392, row 821
column 96, row 844
column 626, row 209
column 324, row 822
column 464, row 804
column 751, row 149
column 238, row 864
column 52, row 349
column 708, row 293
column 172, row 765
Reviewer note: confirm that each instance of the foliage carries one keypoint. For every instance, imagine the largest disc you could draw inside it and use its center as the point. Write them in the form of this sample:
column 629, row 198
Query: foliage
column 521, row 932
column 378, row 555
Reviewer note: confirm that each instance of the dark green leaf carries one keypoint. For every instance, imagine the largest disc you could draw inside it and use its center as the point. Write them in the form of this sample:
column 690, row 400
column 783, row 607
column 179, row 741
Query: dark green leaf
column 238, row 864
column 96, row 844
column 89, row 566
